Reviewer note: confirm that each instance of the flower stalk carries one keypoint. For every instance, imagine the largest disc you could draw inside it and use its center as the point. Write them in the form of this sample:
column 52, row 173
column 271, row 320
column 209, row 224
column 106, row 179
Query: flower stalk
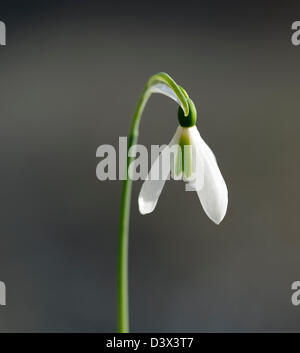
column 159, row 83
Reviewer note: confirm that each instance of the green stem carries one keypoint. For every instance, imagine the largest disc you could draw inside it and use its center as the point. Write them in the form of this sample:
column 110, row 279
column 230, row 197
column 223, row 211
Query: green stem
column 123, row 301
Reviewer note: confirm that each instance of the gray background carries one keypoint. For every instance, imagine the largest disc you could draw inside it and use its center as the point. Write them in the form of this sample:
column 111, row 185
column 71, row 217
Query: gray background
column 71, row 74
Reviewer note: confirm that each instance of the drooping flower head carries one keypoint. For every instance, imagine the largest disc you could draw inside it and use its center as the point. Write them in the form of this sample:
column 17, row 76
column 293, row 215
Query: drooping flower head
column 192, row 161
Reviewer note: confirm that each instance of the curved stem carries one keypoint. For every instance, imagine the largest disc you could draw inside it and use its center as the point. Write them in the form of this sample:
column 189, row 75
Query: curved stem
column 180, row 96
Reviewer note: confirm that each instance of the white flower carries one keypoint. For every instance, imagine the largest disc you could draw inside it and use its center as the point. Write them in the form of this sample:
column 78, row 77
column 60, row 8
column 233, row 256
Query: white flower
column 208, row 182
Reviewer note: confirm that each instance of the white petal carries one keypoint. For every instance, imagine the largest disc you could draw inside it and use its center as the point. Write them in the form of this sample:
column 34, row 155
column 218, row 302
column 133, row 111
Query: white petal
column 213, row 195
column 151, row 189
column 167, row 91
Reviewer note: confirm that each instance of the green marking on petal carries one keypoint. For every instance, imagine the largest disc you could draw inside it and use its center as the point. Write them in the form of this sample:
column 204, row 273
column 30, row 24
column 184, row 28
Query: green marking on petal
column 184, row 156
column 187, row 167
column 178, row 162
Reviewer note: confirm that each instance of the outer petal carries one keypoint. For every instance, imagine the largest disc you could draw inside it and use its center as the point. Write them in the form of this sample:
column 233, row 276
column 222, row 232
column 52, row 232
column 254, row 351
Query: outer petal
column 151, row 189
column 213, row 195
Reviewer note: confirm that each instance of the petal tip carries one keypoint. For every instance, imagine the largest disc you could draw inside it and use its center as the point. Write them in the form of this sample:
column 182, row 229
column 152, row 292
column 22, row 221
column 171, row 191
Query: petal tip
column 145, row 207
column 218, row 216
column 217, row 221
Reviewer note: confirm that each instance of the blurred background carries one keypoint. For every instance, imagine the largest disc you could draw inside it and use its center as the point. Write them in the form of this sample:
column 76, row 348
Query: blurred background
column 71, row 74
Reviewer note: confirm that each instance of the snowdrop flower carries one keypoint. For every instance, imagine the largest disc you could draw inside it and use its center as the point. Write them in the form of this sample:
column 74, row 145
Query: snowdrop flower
column 208, row 183
column 199, row 160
